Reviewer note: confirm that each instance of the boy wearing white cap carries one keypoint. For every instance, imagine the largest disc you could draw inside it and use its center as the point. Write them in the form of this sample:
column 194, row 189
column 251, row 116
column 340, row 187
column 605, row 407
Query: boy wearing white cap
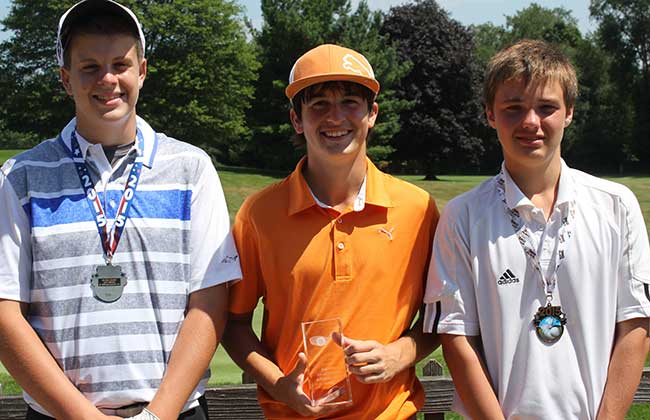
column 336, row 240
column 114, row 245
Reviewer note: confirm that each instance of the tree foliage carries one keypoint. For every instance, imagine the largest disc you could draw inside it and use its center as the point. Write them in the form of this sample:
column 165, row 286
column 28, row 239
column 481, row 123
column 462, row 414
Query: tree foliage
column 624, row 33
column 439, row 134
column 200, row 70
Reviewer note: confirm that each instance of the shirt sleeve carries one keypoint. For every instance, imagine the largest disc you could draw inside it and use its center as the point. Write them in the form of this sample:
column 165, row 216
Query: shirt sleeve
column 245, row 295
column 634, row 271
column 15, row 246
column 450, row 302
column 214, row 258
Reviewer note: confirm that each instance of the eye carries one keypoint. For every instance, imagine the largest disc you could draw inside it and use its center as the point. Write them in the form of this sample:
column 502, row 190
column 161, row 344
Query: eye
column 318, row 104
column 88, row 68
column 513, row 108
column 121, row 65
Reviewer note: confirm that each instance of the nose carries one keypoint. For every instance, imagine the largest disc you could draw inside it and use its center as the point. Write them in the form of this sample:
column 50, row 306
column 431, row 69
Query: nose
column 531, row 119
column 108, row 77
column 336, row 113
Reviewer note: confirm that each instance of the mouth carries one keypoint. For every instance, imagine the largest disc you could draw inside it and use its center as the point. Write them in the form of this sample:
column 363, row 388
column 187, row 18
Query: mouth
column 335, row 134
column 533, row 141
column 109, row 98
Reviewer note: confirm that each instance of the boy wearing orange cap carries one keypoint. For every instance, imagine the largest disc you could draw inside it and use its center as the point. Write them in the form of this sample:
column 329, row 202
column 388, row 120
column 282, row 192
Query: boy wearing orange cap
column 336, row 239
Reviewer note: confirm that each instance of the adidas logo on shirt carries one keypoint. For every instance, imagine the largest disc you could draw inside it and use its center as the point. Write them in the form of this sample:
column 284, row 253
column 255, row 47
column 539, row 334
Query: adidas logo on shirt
column 507, row 278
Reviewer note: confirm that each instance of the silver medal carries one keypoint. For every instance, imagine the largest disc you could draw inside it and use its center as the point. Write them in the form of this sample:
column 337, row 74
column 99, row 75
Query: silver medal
column 108, row 283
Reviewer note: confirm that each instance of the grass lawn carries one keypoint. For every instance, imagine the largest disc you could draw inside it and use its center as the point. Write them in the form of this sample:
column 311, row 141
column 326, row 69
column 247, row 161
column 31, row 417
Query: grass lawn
column 6, row 154
column 238, row 183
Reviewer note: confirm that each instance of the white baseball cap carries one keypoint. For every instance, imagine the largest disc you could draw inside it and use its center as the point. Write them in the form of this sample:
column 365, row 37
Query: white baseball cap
column 91, row 7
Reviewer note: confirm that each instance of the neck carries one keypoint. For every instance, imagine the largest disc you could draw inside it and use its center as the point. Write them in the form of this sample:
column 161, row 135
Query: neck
column 336, row 185
column 540, row 184
column 108, row 134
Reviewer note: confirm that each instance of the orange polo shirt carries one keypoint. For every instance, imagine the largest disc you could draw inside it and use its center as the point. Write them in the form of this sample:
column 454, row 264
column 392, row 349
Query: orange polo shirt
column 309, row 263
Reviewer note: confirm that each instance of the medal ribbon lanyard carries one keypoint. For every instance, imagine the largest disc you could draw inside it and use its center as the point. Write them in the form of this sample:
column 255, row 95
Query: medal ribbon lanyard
column 109, row 238
column 524, row 235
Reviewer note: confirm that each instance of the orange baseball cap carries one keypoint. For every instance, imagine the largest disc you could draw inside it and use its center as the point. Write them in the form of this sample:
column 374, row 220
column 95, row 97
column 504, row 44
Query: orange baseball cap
column 327, row 63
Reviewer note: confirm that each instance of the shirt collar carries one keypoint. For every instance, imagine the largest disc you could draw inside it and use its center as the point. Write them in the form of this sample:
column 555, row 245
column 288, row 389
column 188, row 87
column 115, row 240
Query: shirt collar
column 372, row 190
column 149, row 135
column 515, row 198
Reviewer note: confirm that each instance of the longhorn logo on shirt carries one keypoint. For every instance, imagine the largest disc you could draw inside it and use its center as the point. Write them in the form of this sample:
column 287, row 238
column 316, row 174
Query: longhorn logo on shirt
column 355, row 65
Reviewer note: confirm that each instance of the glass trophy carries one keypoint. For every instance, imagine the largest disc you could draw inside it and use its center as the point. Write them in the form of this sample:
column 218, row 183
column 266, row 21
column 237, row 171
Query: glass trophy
column 326, row 378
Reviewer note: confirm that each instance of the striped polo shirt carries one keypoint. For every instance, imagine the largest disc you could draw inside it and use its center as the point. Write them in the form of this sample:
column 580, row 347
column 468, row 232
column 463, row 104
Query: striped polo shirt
column 177, row 240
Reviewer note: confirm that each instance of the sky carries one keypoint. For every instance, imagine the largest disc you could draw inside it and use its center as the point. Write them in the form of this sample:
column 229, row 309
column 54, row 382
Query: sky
column 465, row 11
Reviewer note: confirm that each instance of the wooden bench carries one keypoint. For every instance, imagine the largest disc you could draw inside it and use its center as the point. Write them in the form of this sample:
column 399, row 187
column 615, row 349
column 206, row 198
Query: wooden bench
column 239, row 402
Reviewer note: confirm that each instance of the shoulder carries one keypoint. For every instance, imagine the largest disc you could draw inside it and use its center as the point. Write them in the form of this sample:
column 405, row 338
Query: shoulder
column 265, row 202
column 474, row 203
column 177, row 149
column 599, row 192
column 46, row 153
column 178, row 160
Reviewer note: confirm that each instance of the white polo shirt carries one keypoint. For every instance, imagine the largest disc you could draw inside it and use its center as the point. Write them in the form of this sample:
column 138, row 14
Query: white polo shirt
column 480, row 282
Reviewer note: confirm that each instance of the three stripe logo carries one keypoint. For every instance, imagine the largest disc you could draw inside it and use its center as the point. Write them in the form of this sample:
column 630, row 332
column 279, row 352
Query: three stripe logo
column 507, row 278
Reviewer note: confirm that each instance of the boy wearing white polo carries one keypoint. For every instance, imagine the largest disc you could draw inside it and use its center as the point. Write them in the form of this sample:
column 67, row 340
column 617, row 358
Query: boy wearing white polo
column 115, row 245
column 539, row 276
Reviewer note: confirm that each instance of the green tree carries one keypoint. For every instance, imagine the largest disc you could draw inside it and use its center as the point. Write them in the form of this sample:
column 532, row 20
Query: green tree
column 200, row 70
column 624, row 32
column 439, row 133
column 291, row 28
column 603, row 125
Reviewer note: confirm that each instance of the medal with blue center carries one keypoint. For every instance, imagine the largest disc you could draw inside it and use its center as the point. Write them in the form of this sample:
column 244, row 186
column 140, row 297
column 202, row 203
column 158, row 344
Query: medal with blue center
column 108, row 281
column 549, row 322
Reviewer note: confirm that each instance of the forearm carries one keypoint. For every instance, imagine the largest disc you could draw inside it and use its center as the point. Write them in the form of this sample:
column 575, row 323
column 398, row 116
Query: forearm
column 625, row 368
column 248, row 353
column 193, row 349
column 470, row 376
column 29, row 362
column 415, row 345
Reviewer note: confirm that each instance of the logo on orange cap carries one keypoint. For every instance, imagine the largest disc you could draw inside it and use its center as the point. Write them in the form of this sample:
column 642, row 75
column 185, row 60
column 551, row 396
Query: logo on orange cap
column 327, row 63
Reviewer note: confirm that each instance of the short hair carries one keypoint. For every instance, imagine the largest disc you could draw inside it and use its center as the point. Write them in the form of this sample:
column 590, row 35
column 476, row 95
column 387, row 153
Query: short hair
column 100, row 24
column 534, row 62
column 306, row 94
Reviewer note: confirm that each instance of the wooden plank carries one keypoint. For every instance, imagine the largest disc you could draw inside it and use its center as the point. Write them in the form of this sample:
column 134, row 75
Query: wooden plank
column 239, row 402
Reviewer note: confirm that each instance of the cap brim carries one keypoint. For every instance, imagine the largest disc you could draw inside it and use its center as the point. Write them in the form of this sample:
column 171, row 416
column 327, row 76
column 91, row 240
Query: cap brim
column 299, row 85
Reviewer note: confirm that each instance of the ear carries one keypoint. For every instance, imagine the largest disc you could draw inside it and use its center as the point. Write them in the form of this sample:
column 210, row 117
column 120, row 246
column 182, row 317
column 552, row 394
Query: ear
column 295, row 121
column 490, row 117
column 143, row 72
column 569, row 117
column 64, row 74
column 372, row 117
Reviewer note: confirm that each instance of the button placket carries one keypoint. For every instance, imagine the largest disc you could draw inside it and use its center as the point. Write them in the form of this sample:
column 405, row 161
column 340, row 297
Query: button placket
column 342, row 252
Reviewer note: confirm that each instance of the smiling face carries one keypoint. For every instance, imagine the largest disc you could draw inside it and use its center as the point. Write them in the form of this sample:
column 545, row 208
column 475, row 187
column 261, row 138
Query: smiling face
column 530, row 122
column 104, row 78
column 335, row 123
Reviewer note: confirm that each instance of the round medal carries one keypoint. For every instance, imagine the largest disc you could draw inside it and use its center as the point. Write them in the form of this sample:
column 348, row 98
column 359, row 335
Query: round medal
column 549, row 323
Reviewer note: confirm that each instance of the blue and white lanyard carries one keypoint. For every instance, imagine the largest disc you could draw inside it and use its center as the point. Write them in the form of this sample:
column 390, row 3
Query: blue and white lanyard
column 111, row 238
column 524, row 235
